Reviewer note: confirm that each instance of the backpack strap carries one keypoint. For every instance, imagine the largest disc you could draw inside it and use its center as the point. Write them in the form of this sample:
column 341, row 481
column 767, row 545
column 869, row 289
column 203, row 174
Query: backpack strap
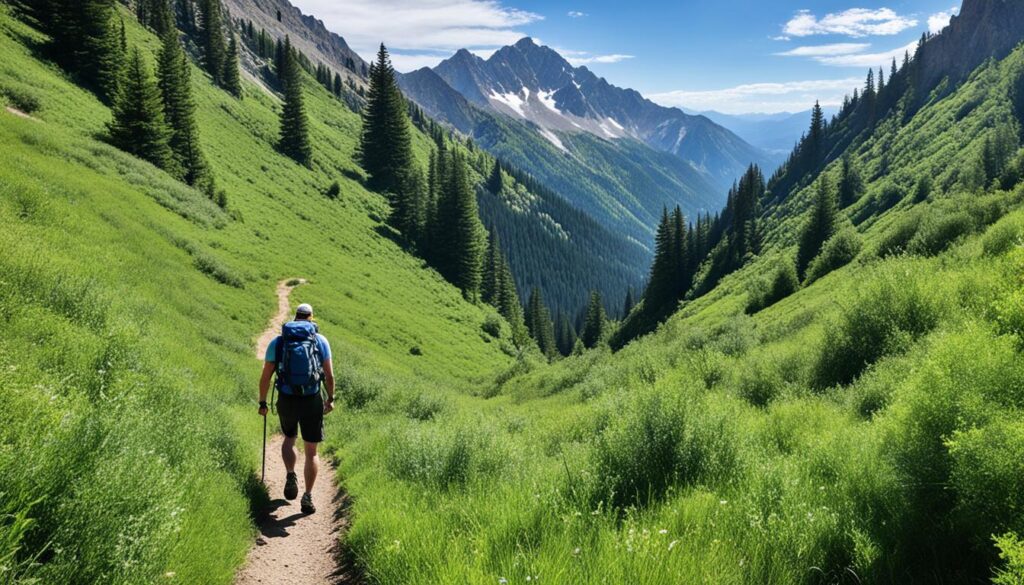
column 278, row 361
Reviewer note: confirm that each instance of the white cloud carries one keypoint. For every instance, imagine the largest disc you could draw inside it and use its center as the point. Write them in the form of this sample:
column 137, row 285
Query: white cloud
column 855, row 22
column 826, row 50
column 576, row 14
column 940, row 20
column 417, row 31
column 577, row 58
column 793, row 96
column 407, row 62
column 864, row 60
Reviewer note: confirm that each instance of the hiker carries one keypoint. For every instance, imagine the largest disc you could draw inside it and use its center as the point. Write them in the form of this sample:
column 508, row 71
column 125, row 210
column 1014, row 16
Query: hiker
column 301, row 359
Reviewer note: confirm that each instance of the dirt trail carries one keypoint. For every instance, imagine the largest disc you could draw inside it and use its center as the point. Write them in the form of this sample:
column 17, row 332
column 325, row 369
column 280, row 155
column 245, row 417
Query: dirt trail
column 293, row 548
column 19, row 113
column 284, row 312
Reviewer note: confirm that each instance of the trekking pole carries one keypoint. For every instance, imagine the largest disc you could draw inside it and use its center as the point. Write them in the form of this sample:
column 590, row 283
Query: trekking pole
column 263, row 474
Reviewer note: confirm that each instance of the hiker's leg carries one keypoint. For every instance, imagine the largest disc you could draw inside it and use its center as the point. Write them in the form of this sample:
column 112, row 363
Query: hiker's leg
column 288, row 454
column 312, row 465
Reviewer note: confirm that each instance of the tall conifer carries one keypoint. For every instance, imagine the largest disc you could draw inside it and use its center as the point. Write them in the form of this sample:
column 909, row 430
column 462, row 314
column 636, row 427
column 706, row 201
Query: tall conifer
column 173, row 78
column 593, row 327
column 294, row 140
column 138, row 126
column 819, row 227
column 214, row 47
column 232, row 75
column 386, row 147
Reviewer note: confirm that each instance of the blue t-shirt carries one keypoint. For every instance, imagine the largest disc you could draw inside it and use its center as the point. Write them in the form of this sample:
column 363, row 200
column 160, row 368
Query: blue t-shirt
column 271, row 357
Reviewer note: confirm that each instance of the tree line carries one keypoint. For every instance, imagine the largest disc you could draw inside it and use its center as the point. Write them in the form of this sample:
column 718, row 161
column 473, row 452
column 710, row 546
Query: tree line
column 436, row 212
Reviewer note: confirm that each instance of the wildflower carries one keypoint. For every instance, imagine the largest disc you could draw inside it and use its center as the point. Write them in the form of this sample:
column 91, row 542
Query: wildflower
column 663, row 531
column 672, row 544
column 723, row 502
column 576, row 551
column 502, row 581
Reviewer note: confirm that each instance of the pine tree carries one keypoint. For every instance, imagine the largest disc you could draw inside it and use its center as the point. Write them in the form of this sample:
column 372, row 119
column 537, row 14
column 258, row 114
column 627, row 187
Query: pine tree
column 214, row 48
column 294, row 140
column 538, row 322
column 851, row 186
column 232, row 77
column 386, row 147
column 459, row 250
column 660, row 285
column 816, row 138
column 173, row 78
column 819, row 227
column 86, row 42
column 496, row 182
column 593, row 328
column 489, row 289
column 337, row 85
column 627, row 305
column 139, row 126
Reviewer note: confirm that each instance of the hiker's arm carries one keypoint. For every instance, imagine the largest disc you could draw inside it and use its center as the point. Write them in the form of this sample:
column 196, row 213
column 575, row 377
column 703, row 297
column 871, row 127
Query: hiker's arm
column 329, row 380
column 268, row 373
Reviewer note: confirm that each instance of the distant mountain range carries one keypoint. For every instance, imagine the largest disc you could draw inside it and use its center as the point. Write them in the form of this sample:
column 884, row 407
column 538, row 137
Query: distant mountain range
column 608, row 150
column 773, row 133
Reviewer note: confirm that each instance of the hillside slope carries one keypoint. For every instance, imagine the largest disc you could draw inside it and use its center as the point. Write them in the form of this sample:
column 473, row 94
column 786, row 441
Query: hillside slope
column 864, row 429
column 132, row 303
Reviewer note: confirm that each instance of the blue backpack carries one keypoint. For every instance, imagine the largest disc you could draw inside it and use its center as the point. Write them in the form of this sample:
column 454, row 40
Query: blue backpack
column 300, row 367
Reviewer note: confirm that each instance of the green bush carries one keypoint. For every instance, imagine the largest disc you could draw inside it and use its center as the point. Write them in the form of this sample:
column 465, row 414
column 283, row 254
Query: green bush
column 938, row 231
column 895, row 308
column 988, row 476
column 333, row 191
column 1011, row 552
column 837, row 252
column 759, row 380
column 21, row 98
column 216, row 270
column 656, row 442
column 784, row 283
column 492, row 325
column 1004, row 236
column 444, row 457
column 897, row 239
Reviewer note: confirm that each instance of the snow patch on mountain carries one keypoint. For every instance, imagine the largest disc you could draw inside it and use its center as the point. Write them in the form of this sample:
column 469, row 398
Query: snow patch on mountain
column 552, row 138
column 513, row 101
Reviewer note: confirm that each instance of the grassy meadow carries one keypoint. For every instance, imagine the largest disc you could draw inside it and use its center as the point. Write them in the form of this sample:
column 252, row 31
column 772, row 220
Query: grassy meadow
column 865, row 429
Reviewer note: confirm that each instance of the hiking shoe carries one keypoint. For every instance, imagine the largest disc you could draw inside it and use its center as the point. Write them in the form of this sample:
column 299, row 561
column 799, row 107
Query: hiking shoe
column 291, row 486
column 307, row 503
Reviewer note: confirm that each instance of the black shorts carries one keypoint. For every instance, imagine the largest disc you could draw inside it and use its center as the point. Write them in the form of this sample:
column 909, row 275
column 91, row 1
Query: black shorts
column 301, row 412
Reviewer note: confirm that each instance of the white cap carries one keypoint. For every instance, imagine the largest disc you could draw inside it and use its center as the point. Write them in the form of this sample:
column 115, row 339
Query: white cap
column 304, row 310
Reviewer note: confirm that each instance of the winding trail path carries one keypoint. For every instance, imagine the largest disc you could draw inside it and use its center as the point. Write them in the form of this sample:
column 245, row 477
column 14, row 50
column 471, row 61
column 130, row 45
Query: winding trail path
column 293, row 548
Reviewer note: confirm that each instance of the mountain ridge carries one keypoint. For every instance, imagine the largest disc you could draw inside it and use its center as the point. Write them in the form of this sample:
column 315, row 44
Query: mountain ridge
column 533, row 82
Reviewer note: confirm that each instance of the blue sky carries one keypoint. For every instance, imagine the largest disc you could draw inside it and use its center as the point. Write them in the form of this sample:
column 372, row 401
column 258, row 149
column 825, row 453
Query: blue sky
column 734, row 56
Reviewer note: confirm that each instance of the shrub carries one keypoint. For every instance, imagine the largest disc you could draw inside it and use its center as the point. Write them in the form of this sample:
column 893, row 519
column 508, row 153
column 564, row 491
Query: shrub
column 784, row 283
column 893, row 310
column 939, row 231
column 1004, row 236
column 837, row 252
column 333, row 191
column 444, row 457
column 358, row 390
column 655, row 442
column 422, row 406
column 759, row 381
column 923, row 189
column 1011, row 552
column 492, row 326
column 213, row 268
column 897, row 240
column 21, row 98
column 988, row 476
